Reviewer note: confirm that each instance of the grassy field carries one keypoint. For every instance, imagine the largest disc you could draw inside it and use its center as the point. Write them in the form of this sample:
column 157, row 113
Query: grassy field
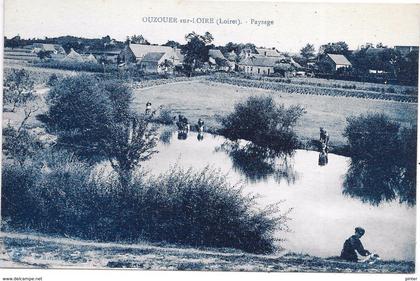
column 204, row 99
column 23, row 251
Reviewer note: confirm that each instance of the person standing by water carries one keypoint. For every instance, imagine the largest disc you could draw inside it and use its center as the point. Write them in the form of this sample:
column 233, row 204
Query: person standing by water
column 200, row 125
column 353, row 245
column 324, row 138
column 148, row 108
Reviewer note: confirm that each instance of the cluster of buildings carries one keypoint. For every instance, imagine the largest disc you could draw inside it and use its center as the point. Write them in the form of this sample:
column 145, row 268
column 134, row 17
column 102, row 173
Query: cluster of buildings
column 164, row 59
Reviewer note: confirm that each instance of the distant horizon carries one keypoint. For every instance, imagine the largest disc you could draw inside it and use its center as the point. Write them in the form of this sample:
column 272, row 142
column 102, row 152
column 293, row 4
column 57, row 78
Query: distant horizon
column 294, row 24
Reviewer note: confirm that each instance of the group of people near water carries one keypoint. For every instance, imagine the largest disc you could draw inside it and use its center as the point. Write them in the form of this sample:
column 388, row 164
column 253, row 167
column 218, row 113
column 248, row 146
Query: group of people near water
column 184, row 127
column 183, row 124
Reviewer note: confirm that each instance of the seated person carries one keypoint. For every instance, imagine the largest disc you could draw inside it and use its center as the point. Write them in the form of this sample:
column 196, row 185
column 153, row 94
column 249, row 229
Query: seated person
column 352, row 246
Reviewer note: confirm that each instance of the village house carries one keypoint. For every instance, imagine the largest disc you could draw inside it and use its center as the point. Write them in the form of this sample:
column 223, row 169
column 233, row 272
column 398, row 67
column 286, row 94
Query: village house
column 258, row 65
column 231, row 56
column 110, row 56
column 136, row 53
column 336, row 61
column 268, row 52
column 53, row 48
column 155, row 62
column 219, row 62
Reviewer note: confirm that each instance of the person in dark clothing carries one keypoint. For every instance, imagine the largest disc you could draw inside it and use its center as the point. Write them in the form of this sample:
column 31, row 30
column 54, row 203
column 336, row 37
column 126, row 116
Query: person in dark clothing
column 323, row 136
column 200, row 125
column 148, row 108
column 353, row 245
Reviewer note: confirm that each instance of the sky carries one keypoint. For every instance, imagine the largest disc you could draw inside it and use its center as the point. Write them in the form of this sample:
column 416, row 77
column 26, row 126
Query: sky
column 295, row 24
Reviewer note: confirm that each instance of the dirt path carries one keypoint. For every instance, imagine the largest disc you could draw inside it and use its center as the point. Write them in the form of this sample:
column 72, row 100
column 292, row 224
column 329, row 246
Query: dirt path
column 39, row 251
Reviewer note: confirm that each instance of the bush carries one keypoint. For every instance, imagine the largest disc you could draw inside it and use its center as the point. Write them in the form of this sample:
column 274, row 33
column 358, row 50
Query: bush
column 60, row 195
column 264, row 123
column 372, row 137
column 18, row 88
column 383, row 165
column 94, row 119
column 78, row 66
column 165, row 116
column 52, row 80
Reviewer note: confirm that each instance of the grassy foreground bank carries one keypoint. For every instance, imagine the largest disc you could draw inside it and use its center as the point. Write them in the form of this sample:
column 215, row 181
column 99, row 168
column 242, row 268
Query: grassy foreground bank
column 22, row 250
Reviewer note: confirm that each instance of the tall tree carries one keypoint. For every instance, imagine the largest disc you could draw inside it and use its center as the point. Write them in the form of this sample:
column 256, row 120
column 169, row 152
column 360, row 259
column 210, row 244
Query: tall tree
column 196, row 50
column 139, row 39
column 94, row 119
column 335, row 48
column 308, row 51
column 172, row 44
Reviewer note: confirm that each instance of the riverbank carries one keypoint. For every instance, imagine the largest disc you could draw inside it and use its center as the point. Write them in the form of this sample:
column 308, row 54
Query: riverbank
column 22, row 250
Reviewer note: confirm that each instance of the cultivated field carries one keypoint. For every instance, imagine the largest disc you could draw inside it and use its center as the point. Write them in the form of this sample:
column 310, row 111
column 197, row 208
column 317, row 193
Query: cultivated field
column 204, row 99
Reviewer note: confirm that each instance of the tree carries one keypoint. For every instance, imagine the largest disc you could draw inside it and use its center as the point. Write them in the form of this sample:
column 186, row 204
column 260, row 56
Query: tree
column 18, row 88
column 407, row 68
column 138, row 39
column 167, row 65
column 262, row 121
column 42, row 55
column 94, row 119
column 383, row 159
column 308, row 51
column 335, row 48
column 172, row 44
column 196, row 50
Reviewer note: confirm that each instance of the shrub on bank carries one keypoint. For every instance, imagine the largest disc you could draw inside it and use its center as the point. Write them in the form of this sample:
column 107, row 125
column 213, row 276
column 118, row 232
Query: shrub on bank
column 57, row 194
column 263, row 122
column 383, row 165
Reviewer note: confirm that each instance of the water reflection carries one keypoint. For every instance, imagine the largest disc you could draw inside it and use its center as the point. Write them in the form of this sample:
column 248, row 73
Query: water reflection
column 166, row 136
column 258, row 163
column 375, row 183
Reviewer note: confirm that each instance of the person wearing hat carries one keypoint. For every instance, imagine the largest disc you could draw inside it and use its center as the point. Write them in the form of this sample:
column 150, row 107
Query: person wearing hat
column 353, row 245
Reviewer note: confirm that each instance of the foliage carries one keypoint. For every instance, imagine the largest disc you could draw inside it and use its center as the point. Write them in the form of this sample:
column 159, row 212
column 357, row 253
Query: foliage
column 60, row 195
column 308, row 51
column 19, row 144
column 138, row 39
column 165, row 116
column 334, row 48
column 172, row 44
column 94, row 120
column 372, row 137
column 52, row 80
column 18, row 88
column 196, row 50
column 42, row 55
column 266, row 124
column 408, row 68
column 237, row 48
column 383, row 163
column 79, row 66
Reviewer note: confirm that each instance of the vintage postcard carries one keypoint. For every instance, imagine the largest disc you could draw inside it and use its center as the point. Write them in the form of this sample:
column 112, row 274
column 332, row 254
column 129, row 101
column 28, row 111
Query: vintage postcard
column 209, row 136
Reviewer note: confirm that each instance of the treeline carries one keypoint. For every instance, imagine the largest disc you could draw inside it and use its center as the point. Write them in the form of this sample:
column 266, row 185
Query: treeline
column 370, row 63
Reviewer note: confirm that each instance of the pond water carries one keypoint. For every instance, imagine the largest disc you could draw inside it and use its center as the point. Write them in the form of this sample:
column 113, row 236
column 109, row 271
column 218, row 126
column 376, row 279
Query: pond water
column 322, row 216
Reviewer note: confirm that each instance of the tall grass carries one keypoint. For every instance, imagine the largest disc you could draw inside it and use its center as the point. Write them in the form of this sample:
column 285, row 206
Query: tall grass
column 57, row 194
